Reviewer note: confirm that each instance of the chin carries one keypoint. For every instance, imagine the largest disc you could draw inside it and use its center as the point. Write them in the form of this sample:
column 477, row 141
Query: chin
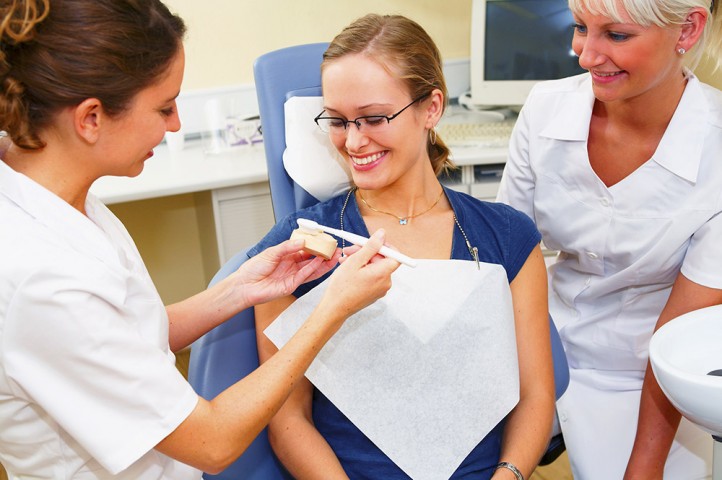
column 135, row 170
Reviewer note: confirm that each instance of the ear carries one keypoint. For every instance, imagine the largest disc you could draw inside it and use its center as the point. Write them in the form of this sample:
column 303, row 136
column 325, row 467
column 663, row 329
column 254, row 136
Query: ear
column 435, row 109
column 692, row 28
column 88, row 116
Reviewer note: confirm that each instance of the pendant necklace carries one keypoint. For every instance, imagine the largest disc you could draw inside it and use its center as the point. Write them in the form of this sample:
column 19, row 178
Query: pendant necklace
column 402, row 220
column 473, row 251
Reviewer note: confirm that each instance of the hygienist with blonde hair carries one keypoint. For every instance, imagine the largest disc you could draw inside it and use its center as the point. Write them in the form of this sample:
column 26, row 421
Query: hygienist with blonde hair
column 621, row 170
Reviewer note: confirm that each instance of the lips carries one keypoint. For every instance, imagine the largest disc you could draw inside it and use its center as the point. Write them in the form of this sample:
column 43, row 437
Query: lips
column 607, row 74
column 607, row 78
column 366, row 160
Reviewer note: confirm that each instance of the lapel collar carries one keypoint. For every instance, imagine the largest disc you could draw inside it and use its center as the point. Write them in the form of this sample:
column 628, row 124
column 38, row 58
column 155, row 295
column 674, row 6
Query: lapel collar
column 680, row 150
column 569, row 119
column 57, row 215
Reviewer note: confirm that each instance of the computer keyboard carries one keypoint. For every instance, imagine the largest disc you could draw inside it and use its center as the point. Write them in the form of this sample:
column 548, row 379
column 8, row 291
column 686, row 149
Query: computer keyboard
column 476, row 134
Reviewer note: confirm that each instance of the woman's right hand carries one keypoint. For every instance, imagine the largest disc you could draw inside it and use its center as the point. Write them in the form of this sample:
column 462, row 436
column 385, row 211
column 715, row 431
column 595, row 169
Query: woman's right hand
column 361, row 279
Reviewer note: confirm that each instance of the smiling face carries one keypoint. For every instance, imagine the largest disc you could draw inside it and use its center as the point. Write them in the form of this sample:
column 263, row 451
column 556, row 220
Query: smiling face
column 130, row 137
column 627, row 60
column 356, row 85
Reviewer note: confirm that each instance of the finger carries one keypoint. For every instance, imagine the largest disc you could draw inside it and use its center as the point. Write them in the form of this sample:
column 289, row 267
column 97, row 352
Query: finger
column 289, row 247
column 372, row 247
column 351, row 249
column 308, row 268
column 276, row 253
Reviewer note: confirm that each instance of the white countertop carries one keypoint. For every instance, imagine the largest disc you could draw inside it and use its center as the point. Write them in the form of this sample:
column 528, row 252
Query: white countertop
column 186, row 171
column 192, row 170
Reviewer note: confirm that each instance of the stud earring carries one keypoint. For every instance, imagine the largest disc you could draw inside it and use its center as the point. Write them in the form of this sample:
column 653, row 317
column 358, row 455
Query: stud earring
column 681, row 51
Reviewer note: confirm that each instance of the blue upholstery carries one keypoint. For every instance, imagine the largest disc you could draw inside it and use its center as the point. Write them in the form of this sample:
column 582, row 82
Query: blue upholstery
column 561, row 367
column 219, row 359
column 229, row 353
column 279, row 75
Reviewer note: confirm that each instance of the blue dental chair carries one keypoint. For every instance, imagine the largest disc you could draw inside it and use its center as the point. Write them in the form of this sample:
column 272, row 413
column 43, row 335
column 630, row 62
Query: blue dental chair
column 229, row 353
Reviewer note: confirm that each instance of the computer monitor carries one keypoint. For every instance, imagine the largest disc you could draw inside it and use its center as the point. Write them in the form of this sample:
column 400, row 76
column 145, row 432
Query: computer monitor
column 515, row 44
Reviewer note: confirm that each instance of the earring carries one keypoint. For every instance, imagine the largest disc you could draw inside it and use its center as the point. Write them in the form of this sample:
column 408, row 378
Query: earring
column 681, row 51
column 433, row 135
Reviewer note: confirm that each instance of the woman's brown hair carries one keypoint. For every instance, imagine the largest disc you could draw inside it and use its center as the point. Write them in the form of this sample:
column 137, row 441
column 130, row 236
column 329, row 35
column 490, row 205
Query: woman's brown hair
column 56, row 53
column 404, row 48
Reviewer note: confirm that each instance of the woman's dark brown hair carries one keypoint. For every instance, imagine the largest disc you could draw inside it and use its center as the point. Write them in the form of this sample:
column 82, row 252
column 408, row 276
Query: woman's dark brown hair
column 56, row 53
column 404, row 48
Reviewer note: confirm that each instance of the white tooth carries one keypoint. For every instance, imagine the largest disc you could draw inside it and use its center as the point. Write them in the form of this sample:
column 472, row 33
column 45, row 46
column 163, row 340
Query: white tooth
column 366, row 160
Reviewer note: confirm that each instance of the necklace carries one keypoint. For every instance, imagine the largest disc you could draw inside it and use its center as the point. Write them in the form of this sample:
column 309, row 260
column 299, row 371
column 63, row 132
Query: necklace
column 402, row 220
column 473, row 251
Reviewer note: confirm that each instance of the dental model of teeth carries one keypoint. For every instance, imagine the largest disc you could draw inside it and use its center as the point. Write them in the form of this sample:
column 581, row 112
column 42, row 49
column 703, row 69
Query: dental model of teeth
column 316, row 242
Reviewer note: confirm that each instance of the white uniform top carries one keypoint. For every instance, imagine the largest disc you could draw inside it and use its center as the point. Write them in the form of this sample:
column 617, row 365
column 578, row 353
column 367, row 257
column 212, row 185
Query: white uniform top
column 621, row 249
column 88, row 384
column 621, row 246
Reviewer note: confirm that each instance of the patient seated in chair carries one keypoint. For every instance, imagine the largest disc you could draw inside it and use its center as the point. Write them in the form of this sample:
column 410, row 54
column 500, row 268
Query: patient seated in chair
column 450, row 375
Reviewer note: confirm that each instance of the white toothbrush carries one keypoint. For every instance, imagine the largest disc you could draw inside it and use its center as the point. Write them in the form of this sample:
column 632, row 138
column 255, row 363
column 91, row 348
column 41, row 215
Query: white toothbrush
column 310, row 226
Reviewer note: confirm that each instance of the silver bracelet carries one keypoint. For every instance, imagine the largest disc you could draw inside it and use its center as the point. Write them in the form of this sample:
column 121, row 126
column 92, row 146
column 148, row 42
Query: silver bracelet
column 510, row 466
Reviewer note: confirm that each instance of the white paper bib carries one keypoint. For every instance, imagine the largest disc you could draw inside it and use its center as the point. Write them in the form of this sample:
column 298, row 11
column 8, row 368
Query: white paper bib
column 427, row 371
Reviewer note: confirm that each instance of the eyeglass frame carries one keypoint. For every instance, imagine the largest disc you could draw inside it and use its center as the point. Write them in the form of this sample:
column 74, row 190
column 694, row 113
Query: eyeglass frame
column 356, row 121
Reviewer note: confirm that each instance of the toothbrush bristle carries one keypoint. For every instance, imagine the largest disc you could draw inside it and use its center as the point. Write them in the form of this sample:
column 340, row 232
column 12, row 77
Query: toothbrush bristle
column 307, row 225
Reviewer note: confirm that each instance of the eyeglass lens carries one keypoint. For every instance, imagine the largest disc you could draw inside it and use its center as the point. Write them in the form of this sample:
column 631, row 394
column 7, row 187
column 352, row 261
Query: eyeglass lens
column 339, row 126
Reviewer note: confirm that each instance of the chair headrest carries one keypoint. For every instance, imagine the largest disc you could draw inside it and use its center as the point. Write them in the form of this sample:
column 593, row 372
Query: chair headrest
column 310, row 158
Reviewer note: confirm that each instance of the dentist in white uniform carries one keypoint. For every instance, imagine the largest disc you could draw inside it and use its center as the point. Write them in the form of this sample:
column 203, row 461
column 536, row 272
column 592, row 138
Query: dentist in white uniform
column 88, row 384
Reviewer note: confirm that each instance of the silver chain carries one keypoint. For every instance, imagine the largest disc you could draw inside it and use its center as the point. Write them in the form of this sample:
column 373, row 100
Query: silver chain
column 472, row 250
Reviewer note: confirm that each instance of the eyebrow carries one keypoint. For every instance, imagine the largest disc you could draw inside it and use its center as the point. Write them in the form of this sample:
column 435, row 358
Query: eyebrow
column 174, row 97
column 611, row 24
column 363, row 107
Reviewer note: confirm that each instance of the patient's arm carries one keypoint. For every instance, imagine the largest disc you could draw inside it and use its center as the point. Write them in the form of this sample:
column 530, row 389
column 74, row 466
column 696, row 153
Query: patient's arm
column 293, row 436
column 528, row 427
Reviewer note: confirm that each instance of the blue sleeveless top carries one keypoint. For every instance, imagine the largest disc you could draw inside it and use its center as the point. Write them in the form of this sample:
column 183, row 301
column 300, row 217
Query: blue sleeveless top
column 502, row 235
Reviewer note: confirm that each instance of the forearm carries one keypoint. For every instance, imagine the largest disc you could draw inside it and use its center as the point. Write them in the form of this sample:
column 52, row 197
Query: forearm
column 291, row 432
column 526, row 434
column 656, row 428
column 303, row 450
column 658, row 419
column 219, row 431
column 190, row 319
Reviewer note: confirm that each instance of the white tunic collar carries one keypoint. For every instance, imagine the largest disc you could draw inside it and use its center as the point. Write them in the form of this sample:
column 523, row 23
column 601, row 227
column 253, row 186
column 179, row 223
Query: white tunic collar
column 679, row 151
column 57, row 215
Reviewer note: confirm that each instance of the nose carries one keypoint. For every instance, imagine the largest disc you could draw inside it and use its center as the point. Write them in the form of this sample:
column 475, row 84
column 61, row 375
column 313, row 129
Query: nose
column 173, row 123
column 589, row 52
column 355, row 137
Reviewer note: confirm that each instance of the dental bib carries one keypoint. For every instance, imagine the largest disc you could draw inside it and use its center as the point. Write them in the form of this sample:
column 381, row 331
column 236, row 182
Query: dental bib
column 425, row 372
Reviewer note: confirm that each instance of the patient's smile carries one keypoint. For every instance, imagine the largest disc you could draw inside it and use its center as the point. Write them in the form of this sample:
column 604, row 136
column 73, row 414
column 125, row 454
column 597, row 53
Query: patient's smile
column 368, row 159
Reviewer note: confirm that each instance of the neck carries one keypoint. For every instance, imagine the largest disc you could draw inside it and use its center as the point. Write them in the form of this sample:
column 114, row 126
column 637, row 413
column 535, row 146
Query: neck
column 47, row 168
column 425, row 202
column 651, row 110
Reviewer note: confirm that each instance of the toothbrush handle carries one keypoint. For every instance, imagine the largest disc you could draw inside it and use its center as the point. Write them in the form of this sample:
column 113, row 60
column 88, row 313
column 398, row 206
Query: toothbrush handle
column 398, row 256
column 385, row 251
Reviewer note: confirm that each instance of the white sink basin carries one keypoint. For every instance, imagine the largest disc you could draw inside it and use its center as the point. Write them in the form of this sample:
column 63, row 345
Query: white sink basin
column 682, row 353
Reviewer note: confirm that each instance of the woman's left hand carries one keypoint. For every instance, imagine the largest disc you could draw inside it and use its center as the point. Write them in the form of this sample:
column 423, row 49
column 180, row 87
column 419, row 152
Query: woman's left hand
column 279, row 270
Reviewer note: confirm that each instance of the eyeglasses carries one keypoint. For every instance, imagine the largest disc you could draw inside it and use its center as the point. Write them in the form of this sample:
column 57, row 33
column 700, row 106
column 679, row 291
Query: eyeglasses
column 367, row 123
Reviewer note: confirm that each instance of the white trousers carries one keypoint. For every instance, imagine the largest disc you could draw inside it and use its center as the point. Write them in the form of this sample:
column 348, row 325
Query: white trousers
column 599, row 428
